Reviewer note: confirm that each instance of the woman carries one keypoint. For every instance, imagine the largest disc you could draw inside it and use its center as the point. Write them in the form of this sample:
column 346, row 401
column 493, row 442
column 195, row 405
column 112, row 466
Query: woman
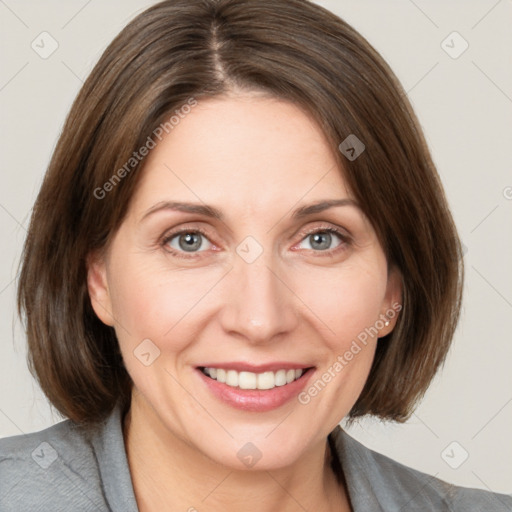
column 241, row 240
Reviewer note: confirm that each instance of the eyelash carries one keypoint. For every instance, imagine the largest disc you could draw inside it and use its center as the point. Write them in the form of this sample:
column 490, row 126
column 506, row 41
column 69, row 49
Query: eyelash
column 345, row 240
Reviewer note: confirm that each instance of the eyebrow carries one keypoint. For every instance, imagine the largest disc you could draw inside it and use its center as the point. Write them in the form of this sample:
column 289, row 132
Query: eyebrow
column 321, row 206
column 210, row 211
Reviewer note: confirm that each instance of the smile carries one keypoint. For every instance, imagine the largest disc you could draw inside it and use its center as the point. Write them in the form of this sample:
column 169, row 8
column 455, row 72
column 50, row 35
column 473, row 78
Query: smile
column 255, row 387
column 250, row 380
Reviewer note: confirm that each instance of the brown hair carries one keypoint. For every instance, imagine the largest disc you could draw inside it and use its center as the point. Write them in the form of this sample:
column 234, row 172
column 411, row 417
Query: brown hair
column 182, row 49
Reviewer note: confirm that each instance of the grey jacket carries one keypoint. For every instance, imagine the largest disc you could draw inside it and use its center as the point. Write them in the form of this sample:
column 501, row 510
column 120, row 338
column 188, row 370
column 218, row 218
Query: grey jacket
column 67, row 468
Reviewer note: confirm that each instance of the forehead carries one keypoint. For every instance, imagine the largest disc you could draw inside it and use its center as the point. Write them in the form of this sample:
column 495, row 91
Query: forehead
column 247, row 152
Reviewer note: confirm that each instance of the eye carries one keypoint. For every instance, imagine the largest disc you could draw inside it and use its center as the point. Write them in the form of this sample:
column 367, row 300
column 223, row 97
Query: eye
column 324, row 239
column 188, row 241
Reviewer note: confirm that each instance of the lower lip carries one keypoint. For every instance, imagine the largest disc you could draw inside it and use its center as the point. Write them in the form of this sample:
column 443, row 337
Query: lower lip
column 256, row 400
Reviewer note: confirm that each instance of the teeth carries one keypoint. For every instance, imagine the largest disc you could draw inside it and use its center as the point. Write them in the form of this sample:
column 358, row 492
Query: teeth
column 221, row 374
column 232, row 378
column 250, row 380
column 247, row 380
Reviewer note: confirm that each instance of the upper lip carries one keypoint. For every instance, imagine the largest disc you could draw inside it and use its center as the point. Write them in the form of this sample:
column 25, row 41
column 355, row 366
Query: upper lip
column 240, row 366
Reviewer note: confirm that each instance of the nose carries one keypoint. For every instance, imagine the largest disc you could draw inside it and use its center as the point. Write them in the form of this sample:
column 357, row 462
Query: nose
column 259, row 305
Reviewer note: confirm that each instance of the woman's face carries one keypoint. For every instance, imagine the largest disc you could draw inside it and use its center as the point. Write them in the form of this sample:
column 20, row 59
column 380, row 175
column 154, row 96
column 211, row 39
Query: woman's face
column 244, row 251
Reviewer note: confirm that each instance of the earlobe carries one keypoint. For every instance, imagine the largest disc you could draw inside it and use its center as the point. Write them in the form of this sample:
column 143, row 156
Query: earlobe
column 392, row 304
column 97, row 286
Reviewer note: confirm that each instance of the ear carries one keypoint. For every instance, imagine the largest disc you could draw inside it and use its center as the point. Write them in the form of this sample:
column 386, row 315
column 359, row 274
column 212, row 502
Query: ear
column 392, row 303
column 97, row 286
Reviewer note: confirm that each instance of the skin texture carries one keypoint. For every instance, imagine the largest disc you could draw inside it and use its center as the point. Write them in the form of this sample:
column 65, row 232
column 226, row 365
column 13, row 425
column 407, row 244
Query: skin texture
column 256, row 159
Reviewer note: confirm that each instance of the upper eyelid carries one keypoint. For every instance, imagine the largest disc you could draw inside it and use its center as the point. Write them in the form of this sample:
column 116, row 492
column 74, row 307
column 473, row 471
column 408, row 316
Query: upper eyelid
column 328, row 227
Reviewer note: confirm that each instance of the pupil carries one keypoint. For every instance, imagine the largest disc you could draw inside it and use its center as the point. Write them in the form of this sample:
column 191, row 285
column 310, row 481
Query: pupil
column 321, row 240
column 190, row 241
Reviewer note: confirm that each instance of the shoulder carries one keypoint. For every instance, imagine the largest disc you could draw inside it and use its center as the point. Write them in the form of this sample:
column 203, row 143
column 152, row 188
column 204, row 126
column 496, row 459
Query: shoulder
column 376, row 482
column 53, row 469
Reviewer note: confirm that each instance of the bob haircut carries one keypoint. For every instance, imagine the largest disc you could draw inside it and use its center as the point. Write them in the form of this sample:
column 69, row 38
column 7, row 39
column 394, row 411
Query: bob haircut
column 179, row 51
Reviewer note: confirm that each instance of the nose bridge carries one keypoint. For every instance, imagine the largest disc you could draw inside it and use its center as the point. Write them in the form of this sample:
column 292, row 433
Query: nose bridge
column 259, row 306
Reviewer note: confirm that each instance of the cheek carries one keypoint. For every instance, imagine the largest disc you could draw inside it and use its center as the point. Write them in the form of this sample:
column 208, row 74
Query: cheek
column 151, row 301
column 345, row 301
column 345, row 305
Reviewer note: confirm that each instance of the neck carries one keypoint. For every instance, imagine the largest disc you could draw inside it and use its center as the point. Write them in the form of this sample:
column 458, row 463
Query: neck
column 168, row 473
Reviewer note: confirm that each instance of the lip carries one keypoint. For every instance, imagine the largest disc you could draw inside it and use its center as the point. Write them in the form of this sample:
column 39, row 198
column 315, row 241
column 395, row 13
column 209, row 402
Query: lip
column 240, row 366
column 256, row 400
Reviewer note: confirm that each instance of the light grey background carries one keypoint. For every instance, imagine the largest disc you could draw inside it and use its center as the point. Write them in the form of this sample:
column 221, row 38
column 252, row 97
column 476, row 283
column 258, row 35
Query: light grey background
column 465, row 107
